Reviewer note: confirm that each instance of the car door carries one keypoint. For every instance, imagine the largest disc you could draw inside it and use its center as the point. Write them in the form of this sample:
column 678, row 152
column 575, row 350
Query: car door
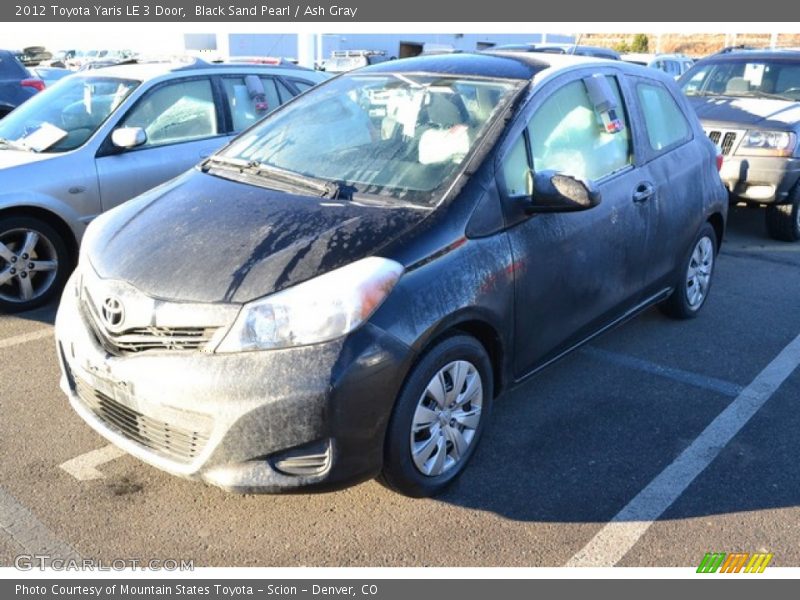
column 182, row 123
column 672, row 167
column 577, row 271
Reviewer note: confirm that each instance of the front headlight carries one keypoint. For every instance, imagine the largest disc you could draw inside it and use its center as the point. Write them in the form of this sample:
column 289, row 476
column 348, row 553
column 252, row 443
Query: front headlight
column 318, row 310
column 767, row 143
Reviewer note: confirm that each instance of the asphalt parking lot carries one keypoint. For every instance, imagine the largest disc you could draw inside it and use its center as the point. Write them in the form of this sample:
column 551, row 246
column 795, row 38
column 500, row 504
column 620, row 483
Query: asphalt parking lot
column 566, row 453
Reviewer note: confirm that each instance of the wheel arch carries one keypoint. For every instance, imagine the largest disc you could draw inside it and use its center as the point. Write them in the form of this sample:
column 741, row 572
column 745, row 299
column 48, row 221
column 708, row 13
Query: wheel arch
column 479, row 327
column 51, row 218
column 718, row 223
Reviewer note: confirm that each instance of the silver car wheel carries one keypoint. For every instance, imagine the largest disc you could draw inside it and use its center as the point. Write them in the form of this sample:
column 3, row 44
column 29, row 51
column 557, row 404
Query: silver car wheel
column 446, row 418
column 28, row 265
column 698, row 275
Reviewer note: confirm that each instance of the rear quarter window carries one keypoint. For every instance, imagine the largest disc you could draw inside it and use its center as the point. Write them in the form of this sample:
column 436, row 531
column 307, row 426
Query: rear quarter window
column 664, row 120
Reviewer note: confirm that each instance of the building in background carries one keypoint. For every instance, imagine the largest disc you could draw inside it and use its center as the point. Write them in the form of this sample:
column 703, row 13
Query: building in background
column 315, row 48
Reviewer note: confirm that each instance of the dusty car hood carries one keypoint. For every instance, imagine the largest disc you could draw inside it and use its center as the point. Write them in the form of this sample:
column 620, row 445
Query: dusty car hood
column 202, row 238
column 763, row 112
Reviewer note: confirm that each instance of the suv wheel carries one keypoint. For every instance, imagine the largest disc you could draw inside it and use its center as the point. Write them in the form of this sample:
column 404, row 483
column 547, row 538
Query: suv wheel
column 694, row 279
column 783, row 220
column 34, row 263
column 438, row 418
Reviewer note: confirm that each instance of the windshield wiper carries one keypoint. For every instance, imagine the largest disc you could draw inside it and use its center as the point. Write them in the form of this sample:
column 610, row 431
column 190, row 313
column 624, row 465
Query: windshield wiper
column 15, row 145
column 325, row 189
column 760, row 94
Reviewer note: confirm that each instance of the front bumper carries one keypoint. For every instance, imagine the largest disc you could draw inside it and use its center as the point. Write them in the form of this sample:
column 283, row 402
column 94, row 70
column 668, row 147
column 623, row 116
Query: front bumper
column 762, row 179
column 230, row 419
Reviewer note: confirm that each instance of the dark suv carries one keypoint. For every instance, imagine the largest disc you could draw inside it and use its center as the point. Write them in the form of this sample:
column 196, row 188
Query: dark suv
column 749, row 104
column 16, row 83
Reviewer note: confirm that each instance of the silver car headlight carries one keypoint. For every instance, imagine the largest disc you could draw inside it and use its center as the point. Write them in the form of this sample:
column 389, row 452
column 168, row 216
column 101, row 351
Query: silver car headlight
column 767, row 143
column 317, row 310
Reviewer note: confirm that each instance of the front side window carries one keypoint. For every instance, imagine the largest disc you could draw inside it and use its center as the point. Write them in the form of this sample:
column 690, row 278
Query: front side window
column 664, row 120
column 176, row 112
column 568, row 135
column 65, row 115
column 400, row 135
column 779, row 79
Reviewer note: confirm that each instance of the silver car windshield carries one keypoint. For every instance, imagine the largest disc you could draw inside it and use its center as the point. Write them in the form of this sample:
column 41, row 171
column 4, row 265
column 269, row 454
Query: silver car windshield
column 779, row 79
column 64, row 116
column 399, row 135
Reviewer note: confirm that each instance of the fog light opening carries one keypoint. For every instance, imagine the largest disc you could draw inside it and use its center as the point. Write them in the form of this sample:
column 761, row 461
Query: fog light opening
column 306, row 460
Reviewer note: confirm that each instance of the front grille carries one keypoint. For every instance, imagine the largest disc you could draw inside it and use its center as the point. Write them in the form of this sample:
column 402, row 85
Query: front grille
column 166, row 439
column 141, row 339
column 724, row 140
column 727, row 143
column 161, row 338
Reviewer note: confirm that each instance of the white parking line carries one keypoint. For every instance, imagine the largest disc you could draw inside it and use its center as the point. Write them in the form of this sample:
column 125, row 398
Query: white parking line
column 19, row 525
column 84, row 467
column 614, row 540
column 24, row 338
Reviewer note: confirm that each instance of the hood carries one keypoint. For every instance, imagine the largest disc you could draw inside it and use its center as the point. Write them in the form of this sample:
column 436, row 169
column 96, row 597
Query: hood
column 202, row 238
column 744, row 112
column 14, row 158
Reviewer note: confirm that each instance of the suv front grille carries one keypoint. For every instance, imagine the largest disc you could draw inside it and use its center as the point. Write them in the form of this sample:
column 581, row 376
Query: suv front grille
column 168, row 440
column 724, row 139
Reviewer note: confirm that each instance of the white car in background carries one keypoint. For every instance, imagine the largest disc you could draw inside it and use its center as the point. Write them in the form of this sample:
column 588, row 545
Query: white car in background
column 98, row 138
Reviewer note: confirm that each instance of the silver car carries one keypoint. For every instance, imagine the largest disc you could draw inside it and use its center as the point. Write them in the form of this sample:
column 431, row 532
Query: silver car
column 96, row 139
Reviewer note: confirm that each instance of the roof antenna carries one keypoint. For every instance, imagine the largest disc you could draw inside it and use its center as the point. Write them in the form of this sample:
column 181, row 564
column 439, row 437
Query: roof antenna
column 575, row 45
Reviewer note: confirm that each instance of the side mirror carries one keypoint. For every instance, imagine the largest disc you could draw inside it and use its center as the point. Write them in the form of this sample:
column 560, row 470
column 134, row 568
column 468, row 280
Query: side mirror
column 128, row 137
column 557, row 192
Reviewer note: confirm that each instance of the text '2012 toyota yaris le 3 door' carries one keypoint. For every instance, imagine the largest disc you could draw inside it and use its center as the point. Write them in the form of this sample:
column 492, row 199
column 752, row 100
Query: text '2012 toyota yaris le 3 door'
column 343, row 290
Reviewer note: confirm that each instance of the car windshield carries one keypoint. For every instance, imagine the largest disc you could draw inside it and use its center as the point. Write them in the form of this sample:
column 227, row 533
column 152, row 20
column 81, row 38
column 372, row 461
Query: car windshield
column 778, row 79
column 64, row 116
column 398, row 135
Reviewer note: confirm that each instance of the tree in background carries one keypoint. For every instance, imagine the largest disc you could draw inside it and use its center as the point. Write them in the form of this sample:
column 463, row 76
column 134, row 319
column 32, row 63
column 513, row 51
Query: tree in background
column 640, row 43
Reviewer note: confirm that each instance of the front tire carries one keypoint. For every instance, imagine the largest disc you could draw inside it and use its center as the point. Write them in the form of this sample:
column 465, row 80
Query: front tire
column 34, row 263
column 694, row 277
column 438, row 418
column 783, row 220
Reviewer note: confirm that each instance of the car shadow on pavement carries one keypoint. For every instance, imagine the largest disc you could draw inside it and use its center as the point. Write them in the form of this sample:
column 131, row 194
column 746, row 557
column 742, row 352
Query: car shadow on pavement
column 45, row 314
column 558, row 450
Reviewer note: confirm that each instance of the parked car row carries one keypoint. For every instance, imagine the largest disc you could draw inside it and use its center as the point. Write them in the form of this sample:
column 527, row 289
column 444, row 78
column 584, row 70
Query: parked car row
column 339, row 283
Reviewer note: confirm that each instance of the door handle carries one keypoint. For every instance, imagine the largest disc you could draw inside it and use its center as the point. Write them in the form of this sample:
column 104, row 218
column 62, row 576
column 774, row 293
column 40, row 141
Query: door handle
column 644, row 191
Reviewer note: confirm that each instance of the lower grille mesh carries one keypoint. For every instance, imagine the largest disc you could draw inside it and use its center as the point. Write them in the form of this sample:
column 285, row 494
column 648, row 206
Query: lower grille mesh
column 170, row 441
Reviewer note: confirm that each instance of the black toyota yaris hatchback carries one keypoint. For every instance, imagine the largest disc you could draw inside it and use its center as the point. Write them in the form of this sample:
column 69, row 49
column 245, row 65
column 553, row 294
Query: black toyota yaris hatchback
column 342, row 291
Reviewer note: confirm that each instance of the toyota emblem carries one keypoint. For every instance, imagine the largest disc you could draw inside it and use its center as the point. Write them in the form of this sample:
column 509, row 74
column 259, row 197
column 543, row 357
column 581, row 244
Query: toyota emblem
column 113, row 313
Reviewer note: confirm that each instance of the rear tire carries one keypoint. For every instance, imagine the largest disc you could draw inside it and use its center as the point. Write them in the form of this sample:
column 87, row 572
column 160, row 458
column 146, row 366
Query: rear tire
column 695, row 275
column 438, row 418
column 34, row 263
column 783, row 220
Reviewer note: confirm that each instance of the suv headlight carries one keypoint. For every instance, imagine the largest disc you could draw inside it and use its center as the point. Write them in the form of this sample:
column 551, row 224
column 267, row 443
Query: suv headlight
column 317, row 310
column 767, row 143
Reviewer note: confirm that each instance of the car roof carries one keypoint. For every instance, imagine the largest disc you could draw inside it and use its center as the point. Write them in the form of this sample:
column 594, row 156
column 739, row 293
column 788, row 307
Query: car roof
column 498, row 64
column 749, row 54
column 145, row 71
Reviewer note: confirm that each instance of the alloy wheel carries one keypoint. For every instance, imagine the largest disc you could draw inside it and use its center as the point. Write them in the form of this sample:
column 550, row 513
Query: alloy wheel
column 28, row 265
